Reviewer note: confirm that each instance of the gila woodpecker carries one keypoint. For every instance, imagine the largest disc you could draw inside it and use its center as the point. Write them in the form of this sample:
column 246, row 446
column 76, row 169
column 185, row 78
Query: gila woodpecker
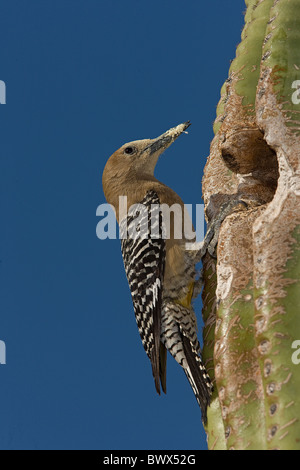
column 160, row 270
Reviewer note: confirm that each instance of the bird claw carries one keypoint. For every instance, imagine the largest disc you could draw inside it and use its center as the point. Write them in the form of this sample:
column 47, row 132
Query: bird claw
column 212, row 235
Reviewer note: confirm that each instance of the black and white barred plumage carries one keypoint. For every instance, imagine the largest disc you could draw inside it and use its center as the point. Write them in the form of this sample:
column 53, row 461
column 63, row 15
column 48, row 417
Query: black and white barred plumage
column 144, row 261
column 163, row 322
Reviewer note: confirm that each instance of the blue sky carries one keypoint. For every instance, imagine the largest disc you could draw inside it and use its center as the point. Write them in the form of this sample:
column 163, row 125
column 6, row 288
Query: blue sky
column 83, row 77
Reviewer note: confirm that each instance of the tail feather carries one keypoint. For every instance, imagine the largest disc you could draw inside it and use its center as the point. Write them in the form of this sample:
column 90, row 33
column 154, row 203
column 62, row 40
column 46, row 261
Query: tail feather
column 179, row 336
column 163, row 367
column 198, row 377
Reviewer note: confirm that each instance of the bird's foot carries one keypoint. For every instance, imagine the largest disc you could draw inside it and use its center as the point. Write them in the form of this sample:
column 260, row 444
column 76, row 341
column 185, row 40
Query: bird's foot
column 212, row 235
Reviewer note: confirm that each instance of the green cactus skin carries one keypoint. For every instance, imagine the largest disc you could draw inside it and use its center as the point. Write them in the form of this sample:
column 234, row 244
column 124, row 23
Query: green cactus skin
column 246, row 65
column 236, row 358
column 281, row 54
column 277, row 325
column 256, row 404
column 277, row 239
column 242, row 410
column 249, row 52
column 215, row 426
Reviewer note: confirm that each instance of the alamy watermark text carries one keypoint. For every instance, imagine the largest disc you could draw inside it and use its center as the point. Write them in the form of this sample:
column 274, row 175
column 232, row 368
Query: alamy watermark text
column 2, row 92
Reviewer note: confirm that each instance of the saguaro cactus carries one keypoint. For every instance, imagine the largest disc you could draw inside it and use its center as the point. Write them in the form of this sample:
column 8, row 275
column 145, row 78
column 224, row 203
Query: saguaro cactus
column 252, row 293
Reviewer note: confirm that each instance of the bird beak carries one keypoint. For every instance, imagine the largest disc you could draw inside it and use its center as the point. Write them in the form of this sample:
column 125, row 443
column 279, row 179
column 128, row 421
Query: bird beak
column 162, row 142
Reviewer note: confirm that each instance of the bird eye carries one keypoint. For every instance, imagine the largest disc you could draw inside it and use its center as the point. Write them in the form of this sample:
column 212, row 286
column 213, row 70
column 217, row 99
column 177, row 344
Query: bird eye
column 129, row 150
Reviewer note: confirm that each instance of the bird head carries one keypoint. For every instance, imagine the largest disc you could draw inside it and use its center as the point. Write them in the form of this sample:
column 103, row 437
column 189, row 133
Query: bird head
column 140, row 156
